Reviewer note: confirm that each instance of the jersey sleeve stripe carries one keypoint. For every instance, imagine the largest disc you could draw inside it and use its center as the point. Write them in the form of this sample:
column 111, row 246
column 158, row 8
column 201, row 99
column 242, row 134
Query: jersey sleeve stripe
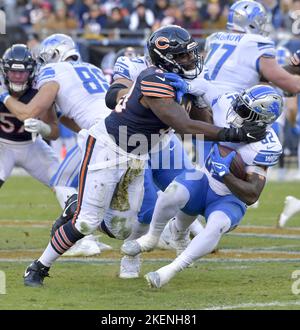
column 155, row 89
column 158, row 95
column 148, row 83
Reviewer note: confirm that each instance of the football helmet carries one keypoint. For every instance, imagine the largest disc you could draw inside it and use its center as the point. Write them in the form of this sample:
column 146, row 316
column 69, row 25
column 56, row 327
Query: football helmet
column 18, row 68
column 171, row 48
column 247, row 17
column 58, row 48
column 282, row 55
column 261, row 104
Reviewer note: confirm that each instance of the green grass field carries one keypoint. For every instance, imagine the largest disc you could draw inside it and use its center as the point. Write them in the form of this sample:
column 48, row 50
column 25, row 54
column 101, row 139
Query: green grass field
column 251, row 270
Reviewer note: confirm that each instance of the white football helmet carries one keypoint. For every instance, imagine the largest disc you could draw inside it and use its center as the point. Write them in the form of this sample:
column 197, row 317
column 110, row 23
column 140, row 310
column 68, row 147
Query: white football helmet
column 261, row 104
column 58, row 48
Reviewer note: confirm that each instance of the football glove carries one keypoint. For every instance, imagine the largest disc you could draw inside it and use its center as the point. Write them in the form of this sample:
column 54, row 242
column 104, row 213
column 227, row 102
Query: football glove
column 221, row 165
column 4, row 95
column 37, row 126
column 248, row 133
column 295, row 59
column 181, row 86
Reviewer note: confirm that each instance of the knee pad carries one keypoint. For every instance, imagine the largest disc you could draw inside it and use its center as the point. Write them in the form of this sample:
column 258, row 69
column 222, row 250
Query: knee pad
column 175, row 194
column 1, row 183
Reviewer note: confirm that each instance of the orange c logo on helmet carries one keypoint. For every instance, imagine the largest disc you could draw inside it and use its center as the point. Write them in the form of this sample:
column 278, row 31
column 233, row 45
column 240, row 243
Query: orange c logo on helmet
column 162, row 43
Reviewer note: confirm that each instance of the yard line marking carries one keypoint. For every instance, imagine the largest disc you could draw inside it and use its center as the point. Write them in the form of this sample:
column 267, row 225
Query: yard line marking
column 254, row 250
column 276, row 236
column 253, row 305
column 154, row 260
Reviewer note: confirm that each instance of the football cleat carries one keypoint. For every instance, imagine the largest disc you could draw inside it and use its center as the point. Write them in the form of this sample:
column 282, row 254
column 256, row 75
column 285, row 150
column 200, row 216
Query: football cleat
column 153, row 279
column 35, row 273
column 131, row 248
column 291, row 207
column 67, row 215
column 130, row 267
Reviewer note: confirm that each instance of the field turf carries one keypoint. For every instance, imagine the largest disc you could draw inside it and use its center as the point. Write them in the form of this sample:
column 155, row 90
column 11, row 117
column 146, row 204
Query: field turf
column 251, row 270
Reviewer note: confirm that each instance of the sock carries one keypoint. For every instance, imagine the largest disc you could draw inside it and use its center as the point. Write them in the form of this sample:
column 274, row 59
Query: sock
column 63, row 193
column 205, row 242
column 64, row 237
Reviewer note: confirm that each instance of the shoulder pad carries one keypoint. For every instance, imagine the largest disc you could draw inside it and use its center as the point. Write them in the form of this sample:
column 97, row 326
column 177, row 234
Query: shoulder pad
column 156, row 85
column 128, row 68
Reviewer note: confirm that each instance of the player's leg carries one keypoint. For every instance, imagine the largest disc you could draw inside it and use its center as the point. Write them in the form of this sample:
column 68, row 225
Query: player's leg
column 130, row 266
column 291, row 207
column 205, row 242
column 7, row 161
column 65, row 180
column 95, row 192
column 177, row 196
column 223, row 213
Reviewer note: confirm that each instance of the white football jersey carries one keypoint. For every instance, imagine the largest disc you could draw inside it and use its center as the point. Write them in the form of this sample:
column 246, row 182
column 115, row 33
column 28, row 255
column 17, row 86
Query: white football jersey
column 263, row 153
column 129, row 68
column 233, row 59
column 82, row 89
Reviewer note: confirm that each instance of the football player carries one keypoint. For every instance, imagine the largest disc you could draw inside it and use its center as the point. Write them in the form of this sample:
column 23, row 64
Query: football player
column 239, row 57
column 78, row 91
column 115, row 150
column 217, row 194
column 19, row 145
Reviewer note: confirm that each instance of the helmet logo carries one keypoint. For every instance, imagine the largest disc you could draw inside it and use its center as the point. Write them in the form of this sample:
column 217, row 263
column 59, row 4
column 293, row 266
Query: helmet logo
column 162, row 43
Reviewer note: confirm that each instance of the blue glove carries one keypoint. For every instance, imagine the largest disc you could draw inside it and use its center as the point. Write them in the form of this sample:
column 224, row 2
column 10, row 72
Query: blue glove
column 181, row 86
column 221, row 165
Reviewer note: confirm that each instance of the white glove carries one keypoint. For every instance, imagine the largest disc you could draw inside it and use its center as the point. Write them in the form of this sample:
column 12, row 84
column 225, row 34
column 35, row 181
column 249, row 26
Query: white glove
column 37, row 126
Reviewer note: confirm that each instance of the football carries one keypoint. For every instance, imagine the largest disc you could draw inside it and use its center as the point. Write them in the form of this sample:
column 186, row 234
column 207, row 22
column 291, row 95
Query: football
column 237, row 167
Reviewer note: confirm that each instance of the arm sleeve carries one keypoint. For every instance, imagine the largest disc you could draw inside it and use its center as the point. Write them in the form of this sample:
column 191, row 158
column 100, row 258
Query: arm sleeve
column 157, row 86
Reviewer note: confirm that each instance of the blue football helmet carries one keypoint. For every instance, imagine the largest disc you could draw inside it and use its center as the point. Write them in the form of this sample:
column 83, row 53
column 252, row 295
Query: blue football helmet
column 261, row 104
column 247, row 17
column 58, row 48
column 282, row 55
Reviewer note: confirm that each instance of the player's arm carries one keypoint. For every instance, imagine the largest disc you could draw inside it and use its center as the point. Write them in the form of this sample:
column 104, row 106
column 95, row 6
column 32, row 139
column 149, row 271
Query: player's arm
column 40, row 103
column 273, row 72
column 175, row 116
column 116, row 91
column 50, row 118
column 202, row 114
column 46, row 125
column 247, row 190
column 69, row 123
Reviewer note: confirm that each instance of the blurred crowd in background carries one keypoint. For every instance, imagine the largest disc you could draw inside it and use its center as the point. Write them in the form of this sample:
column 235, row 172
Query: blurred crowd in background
column 102, row 27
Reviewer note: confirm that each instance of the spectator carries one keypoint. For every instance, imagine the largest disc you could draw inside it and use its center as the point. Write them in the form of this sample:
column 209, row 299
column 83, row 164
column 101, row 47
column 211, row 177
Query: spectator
column 32, row 14
column 274, row 11
column 159, row 9
column 213, row 18
column 191, row 18
column 116, row 19
column 57, row 21
column 141, row 18
column 292, row 21
column 94, row 21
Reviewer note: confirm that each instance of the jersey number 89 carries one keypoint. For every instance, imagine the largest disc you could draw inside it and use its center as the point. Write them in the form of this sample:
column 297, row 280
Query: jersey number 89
column 92, row 79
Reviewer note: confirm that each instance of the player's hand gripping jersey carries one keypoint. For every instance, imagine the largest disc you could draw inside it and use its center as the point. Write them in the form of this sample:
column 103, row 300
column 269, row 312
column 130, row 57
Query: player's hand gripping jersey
column 85, row 87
